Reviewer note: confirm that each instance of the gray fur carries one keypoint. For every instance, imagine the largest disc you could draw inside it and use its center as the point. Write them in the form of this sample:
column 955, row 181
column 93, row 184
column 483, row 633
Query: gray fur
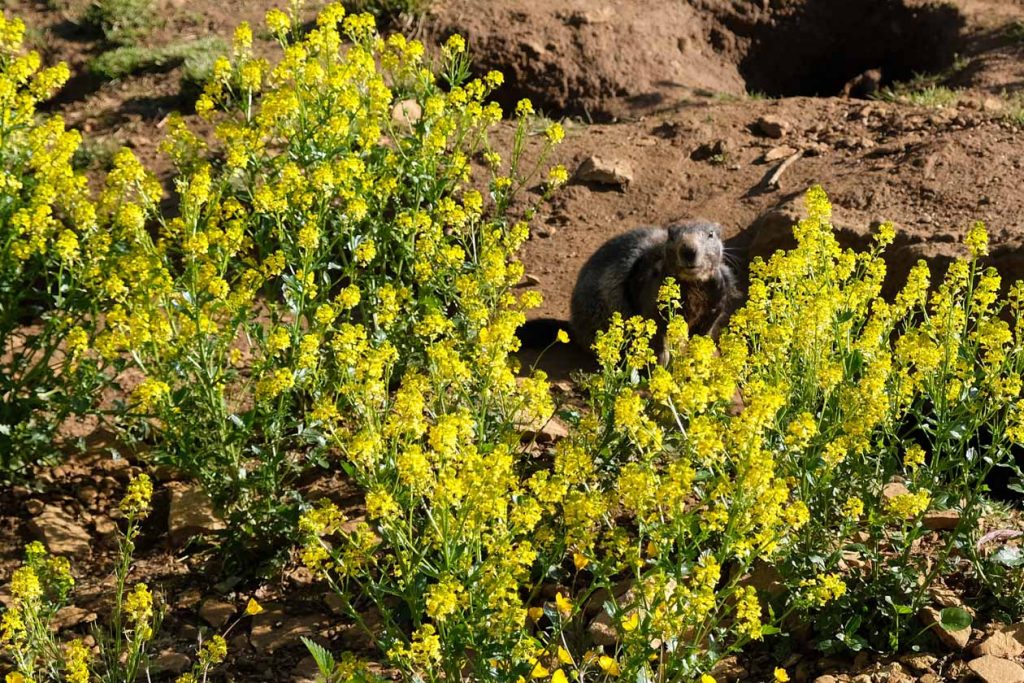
column 627, row 271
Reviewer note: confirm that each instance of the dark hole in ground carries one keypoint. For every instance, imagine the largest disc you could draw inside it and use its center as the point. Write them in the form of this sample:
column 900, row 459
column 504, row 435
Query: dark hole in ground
column 814, row 48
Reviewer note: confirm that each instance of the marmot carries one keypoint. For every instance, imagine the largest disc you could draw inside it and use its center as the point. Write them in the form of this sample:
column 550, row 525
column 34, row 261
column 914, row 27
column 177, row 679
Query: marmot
column 627, row 271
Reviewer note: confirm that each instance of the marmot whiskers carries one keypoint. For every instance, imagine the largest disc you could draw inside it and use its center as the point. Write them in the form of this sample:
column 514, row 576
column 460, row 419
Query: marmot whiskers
column 625, row 274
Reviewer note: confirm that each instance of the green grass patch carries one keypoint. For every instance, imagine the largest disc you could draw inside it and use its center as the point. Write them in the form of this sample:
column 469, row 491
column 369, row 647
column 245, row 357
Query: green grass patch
column 122, row 22
column 930, row 96
column 197, row 56
column 95, row 153
column 926, row 90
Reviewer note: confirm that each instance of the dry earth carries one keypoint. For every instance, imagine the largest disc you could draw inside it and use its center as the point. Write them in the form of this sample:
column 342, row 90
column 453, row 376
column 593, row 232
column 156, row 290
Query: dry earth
column 692, row 105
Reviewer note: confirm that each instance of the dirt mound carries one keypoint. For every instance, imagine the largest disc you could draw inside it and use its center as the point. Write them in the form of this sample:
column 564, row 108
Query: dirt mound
column 605, row 60
column 814, row 47
column 600, row 60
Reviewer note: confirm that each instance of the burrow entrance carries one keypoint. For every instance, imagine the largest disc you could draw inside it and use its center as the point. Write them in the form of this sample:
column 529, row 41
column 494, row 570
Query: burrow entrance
column 814, row 47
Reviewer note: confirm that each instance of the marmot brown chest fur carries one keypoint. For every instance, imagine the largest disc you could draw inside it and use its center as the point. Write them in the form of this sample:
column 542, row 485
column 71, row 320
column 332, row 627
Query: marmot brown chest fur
column 626, row 272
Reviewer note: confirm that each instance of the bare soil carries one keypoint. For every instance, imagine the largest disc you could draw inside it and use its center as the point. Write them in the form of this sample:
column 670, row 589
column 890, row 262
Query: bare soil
column 673, row 92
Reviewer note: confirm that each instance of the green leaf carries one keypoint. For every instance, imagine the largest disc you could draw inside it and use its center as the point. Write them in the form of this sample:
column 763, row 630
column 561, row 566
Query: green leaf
column 324, row 659
column 954, row 619
column 901, row 609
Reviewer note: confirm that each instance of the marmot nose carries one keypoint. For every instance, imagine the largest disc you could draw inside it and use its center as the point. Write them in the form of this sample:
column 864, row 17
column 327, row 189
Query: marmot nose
column 688, row 255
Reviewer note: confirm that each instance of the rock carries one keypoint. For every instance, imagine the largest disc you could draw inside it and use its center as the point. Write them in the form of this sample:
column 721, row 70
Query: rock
column 188, row 599
column 827, row 678
column 946, row 597
column 894, row 489
column 530, row 280
column 941, row 520
column 34, row 506
column 895, row 673
column 104, row 526
column 356, row 637
column 88, row 494
column 813, row 149
column 765, row 578
column 1006, row 642
column 715, row 150
column 69, row 616
column 995, row 670
column 777, row 153
column 601, row 630
column 335, row 603
column 993, row 104
column 216, row 612
column 239, row 643
column 553, row 430
column 271, row 630
column 546, row 432
column 191, row 514
column 406, row 113
column 854, row 560
column 929, row 678
column 595, row 15
column 602, row 171
column 305, row 671
column 171, row 662
column 60, row 532
column 728, row 669
column 954, row 640
column 956, row 671
column 772, row 126
column 920, row 663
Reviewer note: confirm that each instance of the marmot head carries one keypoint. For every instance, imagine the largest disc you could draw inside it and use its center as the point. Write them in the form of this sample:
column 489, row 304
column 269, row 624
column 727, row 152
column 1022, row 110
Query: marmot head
column 693, row 251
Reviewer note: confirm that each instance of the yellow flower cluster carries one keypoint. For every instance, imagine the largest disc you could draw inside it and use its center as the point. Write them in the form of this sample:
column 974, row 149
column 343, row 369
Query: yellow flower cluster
column 908, row 505
column 823, row 589
column 136, row 499
column 342, row 284
column 77, row 656
column 138, row 607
